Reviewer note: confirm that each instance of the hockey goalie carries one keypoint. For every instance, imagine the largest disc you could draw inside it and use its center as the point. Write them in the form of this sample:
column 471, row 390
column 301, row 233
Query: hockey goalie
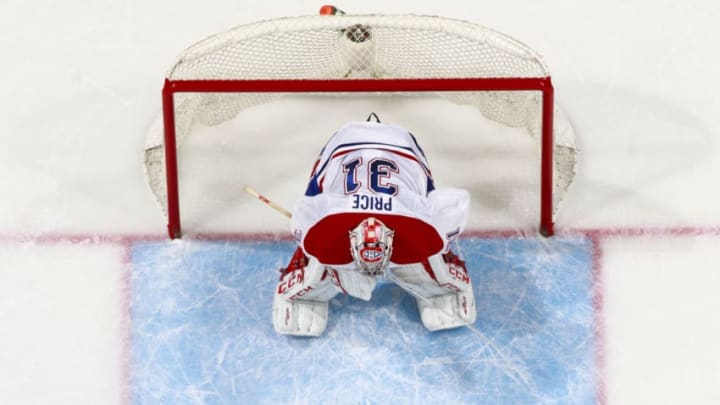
column 371, row 210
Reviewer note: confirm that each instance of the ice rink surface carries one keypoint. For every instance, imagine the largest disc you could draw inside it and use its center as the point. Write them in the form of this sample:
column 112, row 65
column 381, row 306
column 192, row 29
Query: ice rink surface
column 97, row 306
column 207, row 340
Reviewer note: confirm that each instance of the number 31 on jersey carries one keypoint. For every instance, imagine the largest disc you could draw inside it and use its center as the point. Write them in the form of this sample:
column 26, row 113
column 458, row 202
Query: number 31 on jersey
column 378, row 173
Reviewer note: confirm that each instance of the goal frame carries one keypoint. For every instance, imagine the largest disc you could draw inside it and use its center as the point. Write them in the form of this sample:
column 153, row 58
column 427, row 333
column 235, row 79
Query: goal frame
column 540, row 84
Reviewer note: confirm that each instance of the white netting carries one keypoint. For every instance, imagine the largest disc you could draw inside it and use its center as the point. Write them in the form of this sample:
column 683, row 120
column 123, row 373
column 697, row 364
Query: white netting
column 362, row 46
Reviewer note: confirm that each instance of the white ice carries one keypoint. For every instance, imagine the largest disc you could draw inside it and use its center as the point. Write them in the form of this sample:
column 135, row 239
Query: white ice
column 81, row 85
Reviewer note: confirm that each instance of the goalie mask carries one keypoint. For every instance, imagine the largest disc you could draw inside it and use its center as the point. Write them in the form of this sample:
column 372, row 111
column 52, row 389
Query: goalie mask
column 371, row 246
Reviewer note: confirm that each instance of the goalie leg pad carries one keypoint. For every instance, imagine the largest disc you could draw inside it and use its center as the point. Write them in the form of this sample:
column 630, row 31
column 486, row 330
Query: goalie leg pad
column 305, row 278
column 443, row 290
column 416, row 280
column 449, row 272
column 440, row 274
column 300, row 303
column 299, row 317
column 447, row 311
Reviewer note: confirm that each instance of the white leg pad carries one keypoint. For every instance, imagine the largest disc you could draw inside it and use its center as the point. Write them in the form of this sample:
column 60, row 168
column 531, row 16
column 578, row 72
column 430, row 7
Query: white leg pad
column 447, row 311
column 414, row 279
column 448, row 275
column 300, row 303
column 311, row 283
column 299, row 317
column 443, row 292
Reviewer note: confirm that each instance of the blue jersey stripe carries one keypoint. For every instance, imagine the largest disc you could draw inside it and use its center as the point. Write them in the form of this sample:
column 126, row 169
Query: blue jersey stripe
column 371, row 145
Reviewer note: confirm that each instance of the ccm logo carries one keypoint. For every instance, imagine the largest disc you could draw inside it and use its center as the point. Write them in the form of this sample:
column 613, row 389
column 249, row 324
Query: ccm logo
column 300, row 293
column 292, row 279
column 459, row 274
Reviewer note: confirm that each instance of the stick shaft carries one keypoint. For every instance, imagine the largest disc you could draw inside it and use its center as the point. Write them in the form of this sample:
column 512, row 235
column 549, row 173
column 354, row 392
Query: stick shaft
column 268, row 202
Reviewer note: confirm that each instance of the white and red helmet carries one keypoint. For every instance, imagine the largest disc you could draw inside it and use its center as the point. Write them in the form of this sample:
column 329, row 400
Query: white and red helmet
column 371, row 246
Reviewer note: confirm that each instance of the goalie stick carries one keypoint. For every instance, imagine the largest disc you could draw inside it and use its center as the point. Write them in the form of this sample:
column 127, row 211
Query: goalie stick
column 267, row 201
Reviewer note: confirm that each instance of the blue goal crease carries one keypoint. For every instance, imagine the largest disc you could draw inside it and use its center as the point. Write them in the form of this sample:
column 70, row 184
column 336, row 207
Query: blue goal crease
column 202, row 331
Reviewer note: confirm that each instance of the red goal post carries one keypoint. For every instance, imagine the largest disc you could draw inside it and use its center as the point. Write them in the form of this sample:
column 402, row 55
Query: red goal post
column 249, row 65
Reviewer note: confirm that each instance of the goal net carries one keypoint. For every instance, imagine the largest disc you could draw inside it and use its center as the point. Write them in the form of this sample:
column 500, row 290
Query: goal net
column 384, row 60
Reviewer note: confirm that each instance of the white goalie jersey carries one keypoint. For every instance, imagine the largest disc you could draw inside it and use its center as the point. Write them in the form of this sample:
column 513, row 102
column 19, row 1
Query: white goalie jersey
column 371, row 208
column 369, row 168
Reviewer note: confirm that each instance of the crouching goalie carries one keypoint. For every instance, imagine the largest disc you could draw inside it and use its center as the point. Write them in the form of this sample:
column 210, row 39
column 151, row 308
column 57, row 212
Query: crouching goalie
column 371, row 209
